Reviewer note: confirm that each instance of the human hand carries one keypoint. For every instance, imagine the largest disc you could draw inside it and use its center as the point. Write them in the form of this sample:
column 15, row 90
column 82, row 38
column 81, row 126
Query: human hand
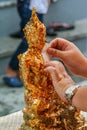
column 61, row 80
column 70, row 55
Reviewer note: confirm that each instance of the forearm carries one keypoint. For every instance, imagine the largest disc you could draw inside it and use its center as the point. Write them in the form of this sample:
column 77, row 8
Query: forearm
column 79, row 100
column 83, row 68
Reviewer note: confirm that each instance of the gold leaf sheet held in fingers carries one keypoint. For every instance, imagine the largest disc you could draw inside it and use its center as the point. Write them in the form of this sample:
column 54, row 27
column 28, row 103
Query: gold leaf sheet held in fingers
column 44, row 109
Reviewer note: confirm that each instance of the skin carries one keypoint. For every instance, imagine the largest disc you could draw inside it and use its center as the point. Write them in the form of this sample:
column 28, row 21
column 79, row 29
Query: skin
column 70, row 55
column 61, row 81
column 66, row 51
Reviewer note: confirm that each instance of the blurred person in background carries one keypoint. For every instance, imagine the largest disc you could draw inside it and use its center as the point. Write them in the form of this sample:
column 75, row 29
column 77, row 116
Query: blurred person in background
column 24, row 9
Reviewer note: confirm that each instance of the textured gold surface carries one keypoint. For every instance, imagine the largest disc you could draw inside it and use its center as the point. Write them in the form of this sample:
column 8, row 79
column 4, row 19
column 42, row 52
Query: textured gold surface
column 14, row 120
column 44, row 109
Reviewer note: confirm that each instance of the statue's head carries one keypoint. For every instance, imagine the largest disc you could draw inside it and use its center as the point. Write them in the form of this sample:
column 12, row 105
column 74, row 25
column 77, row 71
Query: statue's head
column 35, row 32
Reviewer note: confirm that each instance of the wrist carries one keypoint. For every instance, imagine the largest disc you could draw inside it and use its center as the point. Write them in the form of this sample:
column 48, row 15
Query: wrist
column 67, row 83
column 70, row 92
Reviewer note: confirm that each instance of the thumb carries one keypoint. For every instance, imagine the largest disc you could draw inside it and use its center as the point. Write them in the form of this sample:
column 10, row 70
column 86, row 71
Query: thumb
column 55, row 78
column 55, row 53
column 53, row 74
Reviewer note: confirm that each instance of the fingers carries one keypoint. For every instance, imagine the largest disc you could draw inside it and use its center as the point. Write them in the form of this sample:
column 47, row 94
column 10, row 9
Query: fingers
column 55, row 53
column 55, row 78
column 56, row 48
column 60, row 79
column 58, row 67
column 57, row 73
column 53, row 73
column 59, row 43
column 59, row 48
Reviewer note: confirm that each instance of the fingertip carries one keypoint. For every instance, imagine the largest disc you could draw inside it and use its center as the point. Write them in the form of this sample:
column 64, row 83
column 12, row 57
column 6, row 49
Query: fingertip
column 50, row 50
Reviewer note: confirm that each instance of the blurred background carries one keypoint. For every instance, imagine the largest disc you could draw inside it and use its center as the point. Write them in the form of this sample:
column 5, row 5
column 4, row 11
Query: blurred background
column 67, row 11
column 61, row 11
